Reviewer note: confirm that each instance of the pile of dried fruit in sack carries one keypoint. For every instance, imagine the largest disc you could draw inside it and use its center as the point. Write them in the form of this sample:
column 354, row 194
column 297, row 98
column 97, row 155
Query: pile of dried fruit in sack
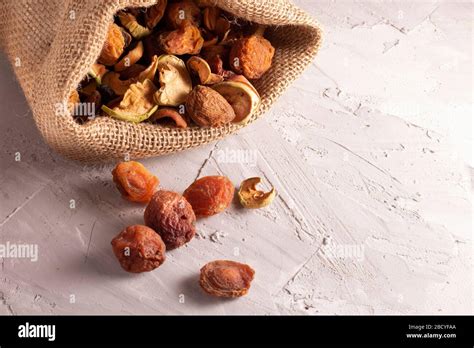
column 170, row 223
column 179, row 61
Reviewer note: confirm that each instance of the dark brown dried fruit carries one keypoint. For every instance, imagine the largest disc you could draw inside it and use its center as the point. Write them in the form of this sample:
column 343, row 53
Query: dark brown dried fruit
column 113, row 46
column 251, row 56
column 170, row 215
column 134, row 181
column 139, row 249
column 210, row 195
column 184, row 40
column 155, row 13
column 224, row 278
column 208, row 108
column 179, row 12
column 169, row 113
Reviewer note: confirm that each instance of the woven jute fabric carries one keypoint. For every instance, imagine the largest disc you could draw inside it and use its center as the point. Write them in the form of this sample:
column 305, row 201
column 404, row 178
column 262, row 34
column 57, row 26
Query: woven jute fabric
column 52, row 43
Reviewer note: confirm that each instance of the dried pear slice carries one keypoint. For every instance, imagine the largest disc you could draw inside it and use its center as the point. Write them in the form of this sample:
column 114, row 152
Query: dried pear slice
column 137, row 104
column 130, row 22
column 170, row 113
column 130, row 58
column 97, row 72
column 243, row 99
column 175, row 81
column 150, row 72
column 201, row 68
column 252, row 198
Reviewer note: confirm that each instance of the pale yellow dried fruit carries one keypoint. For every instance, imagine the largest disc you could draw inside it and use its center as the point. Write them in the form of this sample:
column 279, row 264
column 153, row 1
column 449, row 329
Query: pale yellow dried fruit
column 252, row 198
column 243, row 98
column 130, row 58
column 199, row 67
column 129, row 21
column 137, row 104
column 113, row 46
column 175, row 82
column 113, row 81
column 150, row 72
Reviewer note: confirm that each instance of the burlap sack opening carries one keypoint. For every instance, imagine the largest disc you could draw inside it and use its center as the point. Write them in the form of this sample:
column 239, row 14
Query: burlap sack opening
column 52, row 43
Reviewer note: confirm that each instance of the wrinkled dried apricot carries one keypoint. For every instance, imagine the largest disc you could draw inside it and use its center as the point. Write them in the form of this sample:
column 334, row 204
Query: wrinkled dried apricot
column 134, row 181
column 179, row 12
column 113, row 46
column 207, row 108
column 224, row 278
column 139, row 249
column 210, row 195
column 184, row 40
column 172, row 217
column 251, row 56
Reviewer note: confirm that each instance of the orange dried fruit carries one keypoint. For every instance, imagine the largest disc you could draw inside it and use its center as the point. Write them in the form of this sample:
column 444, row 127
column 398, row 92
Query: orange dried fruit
column 210, row 195
column 210, row 17
column 171, row 216
column 180, row 12
column 134, row 181
column 139, row 249
column 187, row 39
column 155, row 13
column 225, row 278
column 113, row 46
column 251, row 56
column 130, row 58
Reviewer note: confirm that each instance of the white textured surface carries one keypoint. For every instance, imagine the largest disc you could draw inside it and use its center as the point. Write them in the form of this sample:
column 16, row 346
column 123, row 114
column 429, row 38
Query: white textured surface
column 369, row 150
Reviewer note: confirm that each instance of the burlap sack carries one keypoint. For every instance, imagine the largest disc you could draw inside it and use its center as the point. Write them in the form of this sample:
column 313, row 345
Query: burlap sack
column 52, row 43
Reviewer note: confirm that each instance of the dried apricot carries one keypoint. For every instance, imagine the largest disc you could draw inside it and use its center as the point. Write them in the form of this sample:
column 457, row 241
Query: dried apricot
column 184, row 40
column 208, row 108
column 134, row 181
column 224, row 278
column 181, row 11
column 139, row 249
column 113, row 46
column 210, row 195
column 172, row 217
column 251, row 56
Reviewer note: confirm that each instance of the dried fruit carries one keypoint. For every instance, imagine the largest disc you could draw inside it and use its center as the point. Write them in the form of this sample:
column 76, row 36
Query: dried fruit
column 132, row 72
column 183, row 11
column 175, row 81
column 211, row 15
column 210, row 195
column 139, row 249
column 113, row 46
column 224, row 278
column 137, row 104
column 208, row 108
column 251, row 56
column 250, row 197
column 199, row 67
column 170, row 215
column 184, row 40
column 243, row 98
column 129, row 21
column 113, row 81
column 130, row 58
column 150, row 72
column 134, row 181
column 97, row 72
column 169, row 113
column 155, row 13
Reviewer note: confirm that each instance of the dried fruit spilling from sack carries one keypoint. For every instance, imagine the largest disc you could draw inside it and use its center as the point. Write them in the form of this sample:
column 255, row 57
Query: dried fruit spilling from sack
column 178, row 62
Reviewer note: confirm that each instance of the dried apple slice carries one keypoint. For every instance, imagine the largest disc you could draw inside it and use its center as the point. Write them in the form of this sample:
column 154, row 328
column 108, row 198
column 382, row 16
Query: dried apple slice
column 130, row 58
column 129, row 21
column 243, row 99
column 112, row 79
column 199, row 67
column 137, row 104
column 252, row 198
column 175, row 81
